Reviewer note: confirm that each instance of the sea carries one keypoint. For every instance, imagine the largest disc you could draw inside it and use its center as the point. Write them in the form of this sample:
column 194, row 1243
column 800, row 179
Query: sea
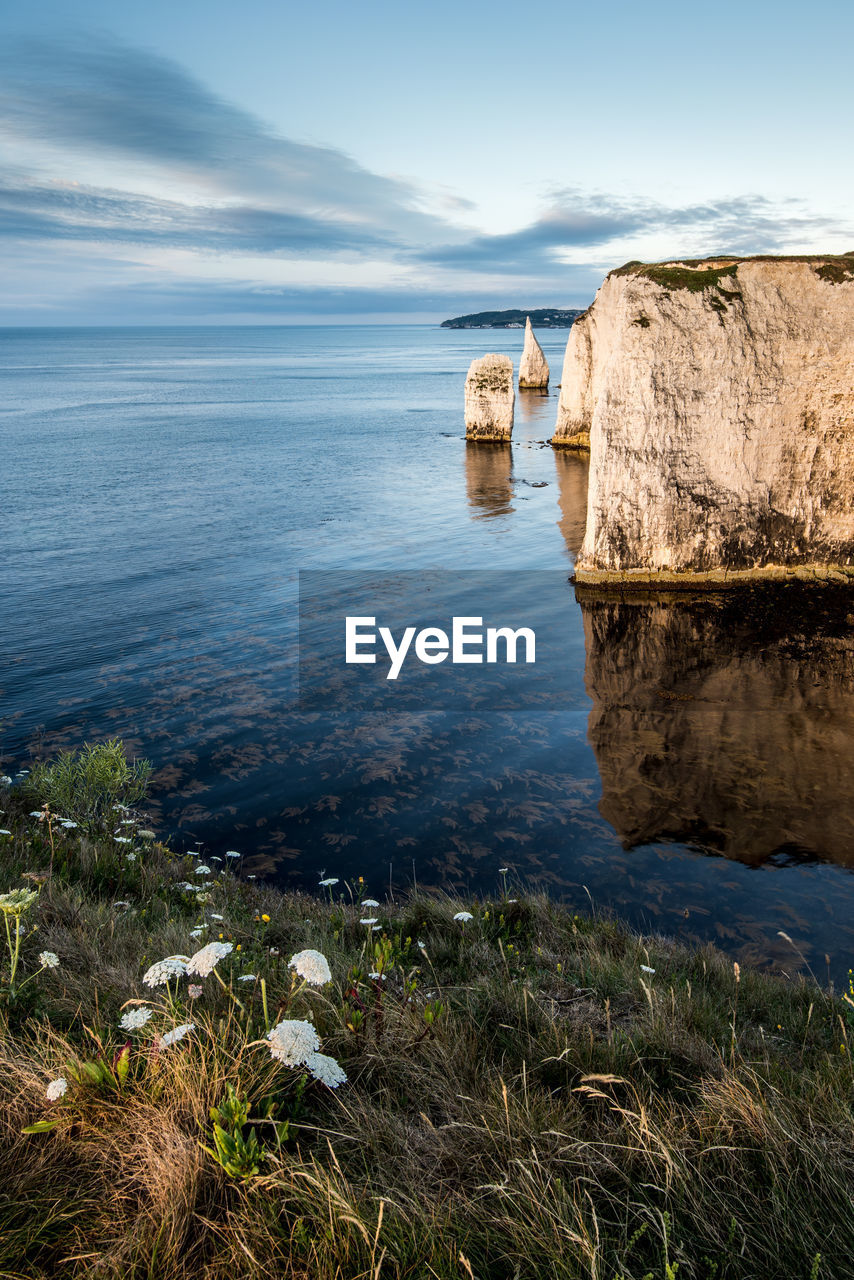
column 165, row 491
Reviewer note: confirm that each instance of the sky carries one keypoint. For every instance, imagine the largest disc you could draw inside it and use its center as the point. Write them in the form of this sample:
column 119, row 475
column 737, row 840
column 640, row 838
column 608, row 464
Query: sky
column 273, row 162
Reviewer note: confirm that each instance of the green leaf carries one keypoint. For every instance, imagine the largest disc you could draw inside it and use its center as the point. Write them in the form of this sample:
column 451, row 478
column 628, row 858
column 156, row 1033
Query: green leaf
column 123, row 1064
column 40, row 1126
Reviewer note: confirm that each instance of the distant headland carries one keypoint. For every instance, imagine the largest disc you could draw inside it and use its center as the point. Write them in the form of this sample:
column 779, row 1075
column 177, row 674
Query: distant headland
column 543, row 318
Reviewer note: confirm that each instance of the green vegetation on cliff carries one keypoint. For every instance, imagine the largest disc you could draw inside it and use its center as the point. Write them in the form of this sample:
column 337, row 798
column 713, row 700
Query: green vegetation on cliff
column 698, row 274
column 530, row 1093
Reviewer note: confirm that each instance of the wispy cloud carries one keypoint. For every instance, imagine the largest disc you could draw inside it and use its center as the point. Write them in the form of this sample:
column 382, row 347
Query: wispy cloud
column 115, row 148
column 63, row 211
column 100, row 96
column 580, row 220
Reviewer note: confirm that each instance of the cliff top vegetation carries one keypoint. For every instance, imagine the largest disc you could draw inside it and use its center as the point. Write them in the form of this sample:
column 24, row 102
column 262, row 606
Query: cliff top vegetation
column 697, row 274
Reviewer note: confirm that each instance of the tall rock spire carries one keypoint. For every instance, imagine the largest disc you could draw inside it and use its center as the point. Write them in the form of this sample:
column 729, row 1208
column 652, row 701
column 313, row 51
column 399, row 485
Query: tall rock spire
column 534, row 368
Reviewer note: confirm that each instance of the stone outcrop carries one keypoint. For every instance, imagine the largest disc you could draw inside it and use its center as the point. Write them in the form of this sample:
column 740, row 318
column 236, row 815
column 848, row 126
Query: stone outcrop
column 533, row 367
column 490, row 397
column 725, row 722
column 718, row 397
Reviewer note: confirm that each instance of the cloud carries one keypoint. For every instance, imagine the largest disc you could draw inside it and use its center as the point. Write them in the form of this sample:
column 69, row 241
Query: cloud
column 62, row 211
column 165, row 165
column 578, row 220
column 97, row 96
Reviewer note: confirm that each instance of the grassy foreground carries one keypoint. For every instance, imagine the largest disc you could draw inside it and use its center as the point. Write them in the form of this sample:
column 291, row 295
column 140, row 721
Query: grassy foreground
column 525, row 1097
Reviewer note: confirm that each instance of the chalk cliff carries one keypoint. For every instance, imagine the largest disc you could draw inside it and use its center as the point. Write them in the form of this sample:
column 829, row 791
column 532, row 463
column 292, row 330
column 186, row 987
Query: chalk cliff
column 490, row 398
column 718, row 399
column 533, row 367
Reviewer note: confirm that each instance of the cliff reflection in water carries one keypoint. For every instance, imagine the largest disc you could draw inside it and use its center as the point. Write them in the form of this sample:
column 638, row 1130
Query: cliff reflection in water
column 572, row 470
column 489, row 479
column 726, row 723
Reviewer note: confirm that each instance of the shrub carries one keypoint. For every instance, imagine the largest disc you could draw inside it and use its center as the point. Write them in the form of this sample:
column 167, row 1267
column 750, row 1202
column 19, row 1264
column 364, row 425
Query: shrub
column 88, row 783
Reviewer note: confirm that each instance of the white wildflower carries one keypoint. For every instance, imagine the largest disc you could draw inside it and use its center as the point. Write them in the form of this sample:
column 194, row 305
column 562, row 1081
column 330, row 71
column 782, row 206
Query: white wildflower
column 327, row 884
column 311, row 965
column 326, row 1070
column 197, row 933
column 216, row 916
column 121, row 903
column 292, row 1041
column 377, row 976
column 463, row 916
column 232, row 853
column 128, row 822
column 274, row 951
column 48, row 959
column 194, row 990
column 36, row 813
column 646, row 969
column 511, row 901
column 68, row 825
column 246, row 977
column 4, row 831
column 202, row 870
column 123, row 840
column 377, row 928
column 5, row 781
column 206, row 960
column 56, row 1089
column 162, row 971
column 146, row 833
column 134, row 1018
column 422, row 945
column 502, row 871
column 369, row 920
column 251, row 877
column 370, row 902
column 178, row 1033
column 130, row 857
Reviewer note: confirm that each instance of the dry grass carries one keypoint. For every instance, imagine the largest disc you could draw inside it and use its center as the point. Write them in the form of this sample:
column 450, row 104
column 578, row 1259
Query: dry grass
column 566, row 1114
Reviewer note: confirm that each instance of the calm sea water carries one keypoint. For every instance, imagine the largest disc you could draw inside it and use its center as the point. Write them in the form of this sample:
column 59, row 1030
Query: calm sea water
column 162, row 488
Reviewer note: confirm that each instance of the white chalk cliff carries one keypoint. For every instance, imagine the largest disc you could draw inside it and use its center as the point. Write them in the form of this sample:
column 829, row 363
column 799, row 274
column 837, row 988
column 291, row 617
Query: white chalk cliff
column 718, row 398
column 490, row 398
column 533, row 367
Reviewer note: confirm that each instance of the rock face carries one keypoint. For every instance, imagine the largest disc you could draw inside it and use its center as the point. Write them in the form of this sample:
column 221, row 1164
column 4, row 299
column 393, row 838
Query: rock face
column 726, row 721
column 533, row 367
column 490, row 398
column 718, row 397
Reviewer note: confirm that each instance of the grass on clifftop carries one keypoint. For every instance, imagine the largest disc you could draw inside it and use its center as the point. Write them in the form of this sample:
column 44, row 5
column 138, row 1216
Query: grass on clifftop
column 530, row 1093
column 698, row 274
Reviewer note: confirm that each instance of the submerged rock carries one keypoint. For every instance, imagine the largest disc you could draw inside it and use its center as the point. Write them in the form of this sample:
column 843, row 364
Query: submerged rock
column 490, row 398
column 533, row 367
column 718, row 397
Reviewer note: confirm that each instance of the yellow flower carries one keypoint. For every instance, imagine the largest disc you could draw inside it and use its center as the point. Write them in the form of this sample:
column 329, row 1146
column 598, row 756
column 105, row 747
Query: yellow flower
column 265, row 918
column 238, row 947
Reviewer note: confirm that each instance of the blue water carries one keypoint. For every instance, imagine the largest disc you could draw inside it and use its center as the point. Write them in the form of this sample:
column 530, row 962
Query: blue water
column 160, row 491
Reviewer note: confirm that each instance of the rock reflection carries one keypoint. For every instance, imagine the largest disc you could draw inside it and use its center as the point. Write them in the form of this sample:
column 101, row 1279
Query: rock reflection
column 726, row 722
column 534, row 412
column 572, row 469
column 489, row 479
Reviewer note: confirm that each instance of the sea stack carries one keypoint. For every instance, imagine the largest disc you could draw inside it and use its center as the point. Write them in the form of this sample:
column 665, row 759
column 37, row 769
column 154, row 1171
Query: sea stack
column 719, row 399
column 533, row 368
column 490, row 398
